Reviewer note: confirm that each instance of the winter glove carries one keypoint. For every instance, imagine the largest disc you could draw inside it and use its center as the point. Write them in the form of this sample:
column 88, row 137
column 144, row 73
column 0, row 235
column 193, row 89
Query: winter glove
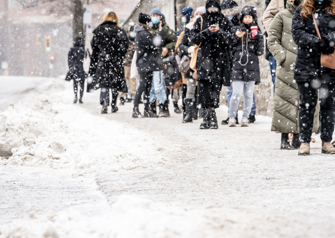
column 190, row 49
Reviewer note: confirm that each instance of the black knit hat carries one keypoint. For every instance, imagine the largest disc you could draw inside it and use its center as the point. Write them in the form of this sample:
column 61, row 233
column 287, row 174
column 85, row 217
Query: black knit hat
column 144, row 18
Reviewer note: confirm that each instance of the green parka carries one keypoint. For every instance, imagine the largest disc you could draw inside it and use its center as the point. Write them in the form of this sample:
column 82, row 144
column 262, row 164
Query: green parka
column 286, row 100
column 170, row 38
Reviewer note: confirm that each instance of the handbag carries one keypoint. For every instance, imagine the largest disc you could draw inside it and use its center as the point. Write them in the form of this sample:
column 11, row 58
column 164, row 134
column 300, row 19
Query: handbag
column 133, row 68
column 193, row 63
column 87, row 61
column 184, row 64
column 327, row 61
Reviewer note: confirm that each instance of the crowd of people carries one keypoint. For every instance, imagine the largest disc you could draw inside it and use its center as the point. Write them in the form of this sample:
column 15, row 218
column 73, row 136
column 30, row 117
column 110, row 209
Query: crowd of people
column 219, row 46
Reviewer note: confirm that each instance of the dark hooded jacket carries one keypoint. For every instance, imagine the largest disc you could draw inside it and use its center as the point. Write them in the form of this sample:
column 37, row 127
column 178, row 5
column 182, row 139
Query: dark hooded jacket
column 304, row 35
column 246, row 62
column 228, row 4
column 214, row 55
column 76, row 61
column 109, row 45
column 148, row 57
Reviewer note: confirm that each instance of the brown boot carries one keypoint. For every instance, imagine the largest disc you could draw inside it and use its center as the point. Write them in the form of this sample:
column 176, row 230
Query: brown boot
column 304, row 149
column 328, row 148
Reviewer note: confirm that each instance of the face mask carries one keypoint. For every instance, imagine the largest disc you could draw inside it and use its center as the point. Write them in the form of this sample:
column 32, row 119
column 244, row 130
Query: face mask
column 213, row 9
column 151, row 25
column 132, row 34
column 230, row 18
column 197, row 16
column 183, row 19
column 320, row 1
column 155, row 20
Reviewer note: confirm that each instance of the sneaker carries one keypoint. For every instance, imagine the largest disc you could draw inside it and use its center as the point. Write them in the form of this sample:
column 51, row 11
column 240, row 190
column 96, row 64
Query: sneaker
column 244, row 122
column 225, row 122
column 136, row 113
column 232, row 122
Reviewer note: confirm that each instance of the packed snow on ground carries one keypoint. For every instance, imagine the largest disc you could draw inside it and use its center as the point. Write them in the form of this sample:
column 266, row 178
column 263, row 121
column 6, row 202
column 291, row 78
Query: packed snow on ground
column 68, row 171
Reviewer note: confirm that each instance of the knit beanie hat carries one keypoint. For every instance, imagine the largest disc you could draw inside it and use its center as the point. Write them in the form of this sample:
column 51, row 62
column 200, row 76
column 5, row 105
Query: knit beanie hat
column 200, row 9
column 155, row 11
column 144, row 18
column 187, row 11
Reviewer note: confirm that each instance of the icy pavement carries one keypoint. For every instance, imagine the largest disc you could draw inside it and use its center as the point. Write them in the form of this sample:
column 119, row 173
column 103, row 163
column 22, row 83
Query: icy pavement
column 68, row 171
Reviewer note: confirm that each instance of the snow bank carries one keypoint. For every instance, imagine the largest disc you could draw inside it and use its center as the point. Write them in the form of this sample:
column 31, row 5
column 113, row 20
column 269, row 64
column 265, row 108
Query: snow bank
column 44, row 130
column 130, row 217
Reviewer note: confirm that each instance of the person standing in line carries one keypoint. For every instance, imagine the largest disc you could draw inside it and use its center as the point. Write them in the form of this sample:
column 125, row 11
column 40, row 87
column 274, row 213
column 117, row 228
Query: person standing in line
column 286, row 101
column 246, row 71
column 109, row 45
column 76, row 68
column 313, row 79
column 214, row 33
column 148, row 60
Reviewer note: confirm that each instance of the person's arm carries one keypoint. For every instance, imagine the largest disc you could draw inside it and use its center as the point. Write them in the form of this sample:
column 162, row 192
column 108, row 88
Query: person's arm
column 170, row 39
column 197, row 36
column 274, row 39
column 123, row 43
column 70, row 59
column 184, row 44
column 299, row 34
column 95, row 55
column 260, row 43
column 269, row 14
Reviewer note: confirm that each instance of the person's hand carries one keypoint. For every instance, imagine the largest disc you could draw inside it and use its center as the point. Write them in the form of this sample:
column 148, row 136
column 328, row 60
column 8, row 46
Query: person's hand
column 165, row 51
column 240, row 34
column 214, row 29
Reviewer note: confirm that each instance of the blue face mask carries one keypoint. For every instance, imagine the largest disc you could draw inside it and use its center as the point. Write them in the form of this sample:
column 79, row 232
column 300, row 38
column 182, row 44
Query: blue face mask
column 230, row 18
column 183, row 20
column 155, row 20
column 132, row 34
column 151, row 25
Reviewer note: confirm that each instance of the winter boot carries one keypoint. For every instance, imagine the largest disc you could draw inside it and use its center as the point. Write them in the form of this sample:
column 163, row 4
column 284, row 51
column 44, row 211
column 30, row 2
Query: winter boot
column 80, row 101
column 136, row 113
column 232, row 122
column 114, row 109
column 304, row 149
column 149, row 113
column 166, row 108
column 128, row 100
column 75, row 100
column 225, row 122
column 202, row 112
column 162, row 111
column 251, row 119
column 122, row 101
column 206, row 118
column 213, row 121
column 153, row 107
column 188, row 112
column 328, row 148
column 104, row 110
column 195, row 111
column 295, row 142
column 285, row 144
column 176, row 108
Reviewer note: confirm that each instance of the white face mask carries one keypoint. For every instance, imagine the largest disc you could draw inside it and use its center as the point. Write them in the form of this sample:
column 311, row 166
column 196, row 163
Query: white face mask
column 197, row 16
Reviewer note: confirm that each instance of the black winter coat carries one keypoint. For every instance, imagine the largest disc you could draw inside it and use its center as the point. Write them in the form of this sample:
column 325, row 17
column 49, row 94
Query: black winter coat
column 148, row 58
column 304, row 35
column 215, row 52
column 109, row 44
column 76, row 61
column 246, row 68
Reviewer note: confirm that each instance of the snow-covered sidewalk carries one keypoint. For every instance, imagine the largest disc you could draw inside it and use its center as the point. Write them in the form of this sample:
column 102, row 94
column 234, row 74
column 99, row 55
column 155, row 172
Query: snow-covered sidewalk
column 152, row 177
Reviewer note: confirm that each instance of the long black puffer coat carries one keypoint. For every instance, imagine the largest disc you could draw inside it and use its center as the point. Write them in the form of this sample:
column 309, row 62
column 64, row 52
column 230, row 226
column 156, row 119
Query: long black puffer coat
column 76, row 61
column 305, row 36
column 109, row 44
column 148, row 57
column 215, row 53
column 246, row 62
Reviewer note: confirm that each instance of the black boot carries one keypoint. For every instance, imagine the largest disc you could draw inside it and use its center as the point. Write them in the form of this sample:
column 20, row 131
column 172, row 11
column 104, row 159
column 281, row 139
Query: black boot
column 166, row 108
column 225, row 122
column 251, row 119
column 213, row 121
column 136, row 113
column 75, row 100
column 188, row 111
column 285, row 144
column 114, row 101
column 195, row 111
column 296, row 142
column 153, row 107
column 205, row 123
column 149, row 113
column 162, row 111
column 122, row 101
column 202, row 112
column 176, row 108
column 80, row 101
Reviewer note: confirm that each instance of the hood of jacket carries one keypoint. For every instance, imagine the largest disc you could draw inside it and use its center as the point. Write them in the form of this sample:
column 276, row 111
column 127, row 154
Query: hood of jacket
column 290, row 7
column 249, row 10
column 228, row 4
column 215, row 2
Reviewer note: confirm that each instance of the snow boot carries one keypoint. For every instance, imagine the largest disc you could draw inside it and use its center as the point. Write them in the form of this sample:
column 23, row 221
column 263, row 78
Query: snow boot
column 75, row 100
column 295, row 144
column 232, row 122
column 188, row 112
column 328, row 148
column 195, row 111
column 251, row 119
column 104, row 110
column 153, row 107
column 149, row 113
column 206, row 118
column 162, row 111
column 285, row 144
column 136, row 113
column 225, row 122
column 304, row 149
column 166, row 108
column 176, row 108
column 114, row 109
column 122, row 101
column 213, row 121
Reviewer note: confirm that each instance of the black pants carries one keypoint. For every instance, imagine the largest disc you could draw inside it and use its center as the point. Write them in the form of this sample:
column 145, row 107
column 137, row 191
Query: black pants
column 144, row 87
column 81, row 84
column 209, row 93
column 104, row 97
column 308, row 101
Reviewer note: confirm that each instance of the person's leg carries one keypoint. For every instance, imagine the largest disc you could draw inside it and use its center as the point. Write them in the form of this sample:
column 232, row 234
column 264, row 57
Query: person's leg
column 75, row 90
column 189, row 101
column 142, row 86
column 155, row 80
column 115, row 95
column 82, row 87
column 161, row 88
column 253, row 106
column 327, row 110
column 204, row 98
column 273, row 67
column 248, row 101
column 229, row 93
column 238, row 87
column 146, row 97
column 104, row 97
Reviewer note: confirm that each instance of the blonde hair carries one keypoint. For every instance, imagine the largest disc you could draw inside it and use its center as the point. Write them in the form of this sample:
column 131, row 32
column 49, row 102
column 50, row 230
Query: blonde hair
column 112, row 17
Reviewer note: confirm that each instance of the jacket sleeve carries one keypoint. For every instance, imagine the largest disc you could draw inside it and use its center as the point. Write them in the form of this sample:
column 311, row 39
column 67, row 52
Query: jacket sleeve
column 269, row 14
column 95, row 55
column 184, row 44
column 196, row 34
column 260, row 45
column 123, row 43
column 228, row 34
column 170, row 39
column 300, row 36
column 274, row 39
column 70, row 59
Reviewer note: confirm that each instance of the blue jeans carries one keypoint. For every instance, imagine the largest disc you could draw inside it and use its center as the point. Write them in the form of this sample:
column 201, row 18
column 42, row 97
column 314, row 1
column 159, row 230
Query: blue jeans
column 158, row 87
column 229, row 93
column 273, row 67
column 253, row 108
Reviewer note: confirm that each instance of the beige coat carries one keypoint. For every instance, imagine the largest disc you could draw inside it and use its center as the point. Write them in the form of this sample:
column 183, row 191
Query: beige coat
column 271, row 11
